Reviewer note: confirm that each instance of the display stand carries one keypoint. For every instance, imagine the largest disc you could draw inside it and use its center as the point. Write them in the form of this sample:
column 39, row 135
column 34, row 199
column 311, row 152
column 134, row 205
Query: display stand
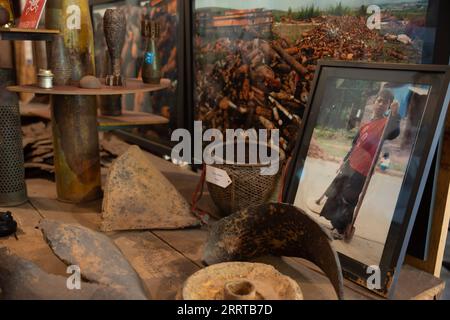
column 69, row 127
column 27, row 34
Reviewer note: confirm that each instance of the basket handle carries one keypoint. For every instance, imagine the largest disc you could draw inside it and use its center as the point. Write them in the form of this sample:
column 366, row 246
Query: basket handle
column 202, row 215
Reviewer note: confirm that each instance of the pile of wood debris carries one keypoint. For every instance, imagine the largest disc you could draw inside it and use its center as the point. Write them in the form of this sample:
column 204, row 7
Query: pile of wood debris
column 38, row 149
column 265, row 84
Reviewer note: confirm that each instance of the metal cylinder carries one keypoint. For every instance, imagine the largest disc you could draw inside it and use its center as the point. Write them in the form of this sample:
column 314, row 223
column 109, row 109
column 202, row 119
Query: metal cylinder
column 75, row 139
column 13, row 190
column 74, row 118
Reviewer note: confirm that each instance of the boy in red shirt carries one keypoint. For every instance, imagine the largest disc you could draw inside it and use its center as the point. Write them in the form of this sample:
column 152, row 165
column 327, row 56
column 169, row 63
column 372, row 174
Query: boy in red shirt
column 343, row 194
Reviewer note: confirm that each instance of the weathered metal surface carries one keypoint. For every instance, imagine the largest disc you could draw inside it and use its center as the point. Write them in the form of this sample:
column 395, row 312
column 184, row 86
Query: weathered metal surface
column 99, row 259
column 77, row 159
column 60, row 62
column 72, row 18
column 240, row 281
column 21, row 279
column 139, row 197
column 114, row 26
column 7, row 78
column 76, row 148
column 273, row 229
column 12, row 173
column 109, row 105
column 151, row 66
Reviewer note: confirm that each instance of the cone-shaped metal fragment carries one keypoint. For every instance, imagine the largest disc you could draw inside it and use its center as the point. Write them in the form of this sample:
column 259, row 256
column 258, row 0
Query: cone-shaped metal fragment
column 138, row 197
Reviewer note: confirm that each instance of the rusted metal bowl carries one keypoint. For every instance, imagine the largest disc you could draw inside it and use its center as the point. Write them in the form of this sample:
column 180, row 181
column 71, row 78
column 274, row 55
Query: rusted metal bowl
column 240, row 281
column 248, row 186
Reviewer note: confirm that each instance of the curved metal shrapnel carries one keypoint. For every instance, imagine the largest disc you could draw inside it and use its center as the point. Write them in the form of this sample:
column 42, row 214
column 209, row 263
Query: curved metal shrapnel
column 274, row 229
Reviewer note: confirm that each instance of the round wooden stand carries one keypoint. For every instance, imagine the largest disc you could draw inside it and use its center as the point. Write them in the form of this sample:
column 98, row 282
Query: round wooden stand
column 75, row 135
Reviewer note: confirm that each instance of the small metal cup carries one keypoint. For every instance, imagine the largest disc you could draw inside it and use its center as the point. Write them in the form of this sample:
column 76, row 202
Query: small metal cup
column 45, row 79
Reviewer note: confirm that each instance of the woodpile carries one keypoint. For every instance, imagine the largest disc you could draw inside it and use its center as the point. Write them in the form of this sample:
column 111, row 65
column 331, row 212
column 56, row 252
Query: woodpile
column 265, row 84
column 38, row 149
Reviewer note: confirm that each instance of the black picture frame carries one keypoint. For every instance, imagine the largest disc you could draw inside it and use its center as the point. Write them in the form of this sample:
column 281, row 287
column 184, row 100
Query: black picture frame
column 419, row 245
column 417, row 172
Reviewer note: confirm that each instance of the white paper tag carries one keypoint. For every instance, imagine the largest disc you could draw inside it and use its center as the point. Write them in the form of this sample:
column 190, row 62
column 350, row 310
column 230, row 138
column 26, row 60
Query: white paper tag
column 218, row 177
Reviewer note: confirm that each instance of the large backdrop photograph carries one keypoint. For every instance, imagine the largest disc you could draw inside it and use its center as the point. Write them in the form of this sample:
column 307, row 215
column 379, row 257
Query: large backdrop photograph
column 253, row 56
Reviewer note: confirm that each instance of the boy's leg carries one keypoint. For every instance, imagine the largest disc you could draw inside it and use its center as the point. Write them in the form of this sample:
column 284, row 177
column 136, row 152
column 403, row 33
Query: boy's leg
column 349, row 200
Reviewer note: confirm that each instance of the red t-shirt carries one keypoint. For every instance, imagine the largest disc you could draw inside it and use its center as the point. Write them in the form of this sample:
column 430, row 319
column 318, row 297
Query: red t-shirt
column 370, row 136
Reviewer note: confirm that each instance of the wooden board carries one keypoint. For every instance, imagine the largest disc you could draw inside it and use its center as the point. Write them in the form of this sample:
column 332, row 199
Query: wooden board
column 6, row 58
column 127, row 119
column 27, row 34
column 30, row 243
column 131, row 118
column 42, row 195
column 162, row 269
column 132, row 86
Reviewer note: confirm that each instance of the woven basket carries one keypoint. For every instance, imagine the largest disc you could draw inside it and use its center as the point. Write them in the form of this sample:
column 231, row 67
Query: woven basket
column 248, row 187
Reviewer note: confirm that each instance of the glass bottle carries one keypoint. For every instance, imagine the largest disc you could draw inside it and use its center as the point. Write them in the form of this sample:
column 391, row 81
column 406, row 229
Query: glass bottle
column 6, row 5
column 151, row 65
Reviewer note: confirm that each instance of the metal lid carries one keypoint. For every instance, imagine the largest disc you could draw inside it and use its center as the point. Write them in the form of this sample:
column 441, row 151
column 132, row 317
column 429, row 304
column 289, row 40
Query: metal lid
column 45, row 73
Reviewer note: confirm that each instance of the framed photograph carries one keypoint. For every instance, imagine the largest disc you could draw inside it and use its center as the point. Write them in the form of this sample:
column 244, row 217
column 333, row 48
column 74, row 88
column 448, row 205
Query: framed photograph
column 368, row 140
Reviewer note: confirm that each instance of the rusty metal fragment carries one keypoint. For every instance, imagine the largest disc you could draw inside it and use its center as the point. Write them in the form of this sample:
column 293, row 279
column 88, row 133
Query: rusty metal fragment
column 76, row 148
column 74, row 118
column 137, row 196
column 99, row 259
column 114, row 26
column 21, row 279
column 273, row 229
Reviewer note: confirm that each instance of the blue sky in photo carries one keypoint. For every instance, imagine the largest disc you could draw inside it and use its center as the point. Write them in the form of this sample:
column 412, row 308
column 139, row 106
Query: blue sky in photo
column 294, row 4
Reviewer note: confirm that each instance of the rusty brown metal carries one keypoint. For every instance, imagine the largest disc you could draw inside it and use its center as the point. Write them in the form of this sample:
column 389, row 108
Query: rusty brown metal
column 75, row 136
column 114, row 25
column 13, row 189
column 76, row 145
column 274, row 229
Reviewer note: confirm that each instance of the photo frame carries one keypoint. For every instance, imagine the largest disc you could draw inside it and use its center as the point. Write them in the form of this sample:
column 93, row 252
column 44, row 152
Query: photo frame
column 386, row 185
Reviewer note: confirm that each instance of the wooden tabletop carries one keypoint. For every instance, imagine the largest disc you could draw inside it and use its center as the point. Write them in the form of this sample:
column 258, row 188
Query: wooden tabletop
column 132, row 86
column 165, row 259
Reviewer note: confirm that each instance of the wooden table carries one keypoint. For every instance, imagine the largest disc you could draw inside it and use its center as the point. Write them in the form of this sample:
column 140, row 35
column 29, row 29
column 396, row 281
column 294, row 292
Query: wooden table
column 75, row 136
column 165, row 259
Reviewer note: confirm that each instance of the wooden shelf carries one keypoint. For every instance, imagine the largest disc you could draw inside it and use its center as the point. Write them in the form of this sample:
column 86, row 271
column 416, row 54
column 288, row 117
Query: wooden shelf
column 132, row 86
column 27, row 34
column 129, row 119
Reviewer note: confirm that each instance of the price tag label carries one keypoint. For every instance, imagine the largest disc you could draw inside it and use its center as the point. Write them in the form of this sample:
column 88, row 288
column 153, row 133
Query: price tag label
column 218, row 177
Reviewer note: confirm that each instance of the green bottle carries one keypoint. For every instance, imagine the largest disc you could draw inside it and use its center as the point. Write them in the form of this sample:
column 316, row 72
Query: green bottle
column 151, row 66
